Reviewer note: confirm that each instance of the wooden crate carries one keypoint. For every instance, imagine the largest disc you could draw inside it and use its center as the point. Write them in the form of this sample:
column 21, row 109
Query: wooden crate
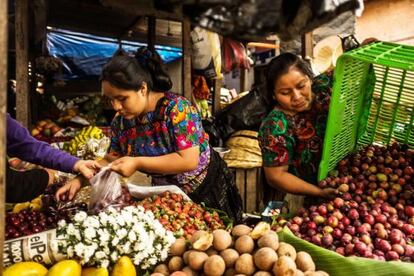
column 249, row 183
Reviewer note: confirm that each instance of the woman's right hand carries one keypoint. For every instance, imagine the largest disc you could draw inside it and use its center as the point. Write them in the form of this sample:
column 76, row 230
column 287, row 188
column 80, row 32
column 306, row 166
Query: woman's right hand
column 69, row 190
column 329, row 193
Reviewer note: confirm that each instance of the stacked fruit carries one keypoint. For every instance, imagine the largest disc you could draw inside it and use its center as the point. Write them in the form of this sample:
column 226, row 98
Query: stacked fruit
column 83, row 136
column 244, row 251
column 181, row 216
column 373, row 216
column 27, row 220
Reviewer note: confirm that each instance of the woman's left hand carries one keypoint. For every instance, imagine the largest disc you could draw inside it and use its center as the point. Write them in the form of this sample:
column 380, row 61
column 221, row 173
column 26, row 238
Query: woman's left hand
column 125, row 166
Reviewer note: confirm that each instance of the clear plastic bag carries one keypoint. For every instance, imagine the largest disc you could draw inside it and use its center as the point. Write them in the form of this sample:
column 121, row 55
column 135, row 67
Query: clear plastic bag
column 107, row 191
column 141, row 192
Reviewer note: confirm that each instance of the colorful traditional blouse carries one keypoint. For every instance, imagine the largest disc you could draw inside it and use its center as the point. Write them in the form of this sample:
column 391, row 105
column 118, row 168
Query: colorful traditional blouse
column 175, row 125
column 297, row 140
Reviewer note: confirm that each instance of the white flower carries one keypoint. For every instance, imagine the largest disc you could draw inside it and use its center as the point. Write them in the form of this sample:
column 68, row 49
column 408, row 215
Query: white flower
column 61, row 223
column 91, row 221
column 99, row 240
column 90, row 233
column 115, row 241
column 79, row 249
column 132, row 236
column 100, row 255
column 80, row 216
column 121, row 233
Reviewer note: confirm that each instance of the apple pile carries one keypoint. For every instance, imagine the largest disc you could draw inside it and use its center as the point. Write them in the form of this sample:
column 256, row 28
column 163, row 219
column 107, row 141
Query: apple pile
column 373, row 215
column 30, row 221
column 45, row 128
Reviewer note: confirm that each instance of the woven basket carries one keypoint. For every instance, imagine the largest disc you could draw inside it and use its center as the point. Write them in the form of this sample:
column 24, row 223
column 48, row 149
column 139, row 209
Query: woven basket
column 245, row 150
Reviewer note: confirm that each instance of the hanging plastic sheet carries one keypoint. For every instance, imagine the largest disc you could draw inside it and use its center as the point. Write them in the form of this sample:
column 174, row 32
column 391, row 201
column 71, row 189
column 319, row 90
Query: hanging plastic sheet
column 255, row 19
column 84, row 55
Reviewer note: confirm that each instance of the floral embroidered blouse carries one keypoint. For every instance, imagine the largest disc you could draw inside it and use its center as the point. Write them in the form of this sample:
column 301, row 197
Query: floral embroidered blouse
column 175, row 125
column 297, row 140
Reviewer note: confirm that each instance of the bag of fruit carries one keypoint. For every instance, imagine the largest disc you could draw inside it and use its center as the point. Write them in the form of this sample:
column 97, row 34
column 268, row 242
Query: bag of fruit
column 107, row 191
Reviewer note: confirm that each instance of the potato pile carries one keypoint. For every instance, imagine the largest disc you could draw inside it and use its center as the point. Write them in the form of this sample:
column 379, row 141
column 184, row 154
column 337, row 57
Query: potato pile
column 244, row 251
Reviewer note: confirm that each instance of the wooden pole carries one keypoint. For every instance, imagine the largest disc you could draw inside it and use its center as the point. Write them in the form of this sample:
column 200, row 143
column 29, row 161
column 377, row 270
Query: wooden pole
column 152, row 21
column 22, row 62
column 186, row 67
column 307, row 45
column 216, row 95
column 3, row 108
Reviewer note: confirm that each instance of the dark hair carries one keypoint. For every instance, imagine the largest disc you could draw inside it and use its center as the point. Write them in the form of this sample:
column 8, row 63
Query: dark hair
column 128, row 72
column 279, row 66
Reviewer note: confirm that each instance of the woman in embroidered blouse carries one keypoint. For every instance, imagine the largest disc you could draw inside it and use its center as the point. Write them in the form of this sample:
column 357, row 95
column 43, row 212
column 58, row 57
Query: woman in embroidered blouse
column 291, row 135
column 160, row 133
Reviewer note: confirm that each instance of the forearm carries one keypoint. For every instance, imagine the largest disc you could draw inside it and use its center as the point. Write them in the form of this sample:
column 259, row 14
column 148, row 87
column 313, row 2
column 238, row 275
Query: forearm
column 172, row 163
column 289, row 183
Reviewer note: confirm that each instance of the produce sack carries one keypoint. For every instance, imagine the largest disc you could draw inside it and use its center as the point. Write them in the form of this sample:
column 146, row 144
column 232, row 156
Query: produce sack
column 246, row 113
column 107, row 191
column 338, row 265
column 37, row 247
column 201, row 55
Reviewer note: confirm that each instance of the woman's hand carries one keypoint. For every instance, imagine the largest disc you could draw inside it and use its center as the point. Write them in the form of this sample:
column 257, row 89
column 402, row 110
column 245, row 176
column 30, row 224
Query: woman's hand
column 87, row 168
column 69, row 190
column 125, row 166
column 329, row 193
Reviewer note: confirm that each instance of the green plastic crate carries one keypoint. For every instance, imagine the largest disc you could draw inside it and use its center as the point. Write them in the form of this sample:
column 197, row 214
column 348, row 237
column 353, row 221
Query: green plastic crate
column 372, row 101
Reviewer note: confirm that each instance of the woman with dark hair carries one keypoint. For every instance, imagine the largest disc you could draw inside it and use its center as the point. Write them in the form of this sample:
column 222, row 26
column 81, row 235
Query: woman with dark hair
column 291, row 135
column 160, row 133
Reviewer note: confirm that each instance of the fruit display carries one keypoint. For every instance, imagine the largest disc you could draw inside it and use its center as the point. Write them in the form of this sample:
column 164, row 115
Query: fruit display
column 46, row 130
column 181, row 216
column 40, row 214
column 89, row 143
column 243, row 251
column 373, row 215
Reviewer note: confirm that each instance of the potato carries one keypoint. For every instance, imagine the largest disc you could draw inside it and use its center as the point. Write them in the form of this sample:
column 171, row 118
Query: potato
column 240, row 230
column 157, row 274
column 175, row 264
column 244, row 244
column 316, row 273
column 221, row 239
column 286, row 249
column 189, row 272
column 185, row 255
column 245, row 264
column 269, row 239
column 284, row 266
column 259, row 230
column 304, row 261
column 262, row 273
column 211, row 251
column 214, row 266
column 178, row 247
column 299, row 273
column 265, row 258
column 178, row 273
column 163, row 269
column 196, row 260
column 229, row 256
column 201, row 240
column 230, row 272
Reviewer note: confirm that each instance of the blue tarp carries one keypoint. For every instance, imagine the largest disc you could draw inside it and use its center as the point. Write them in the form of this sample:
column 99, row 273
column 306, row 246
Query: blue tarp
column 84, row 55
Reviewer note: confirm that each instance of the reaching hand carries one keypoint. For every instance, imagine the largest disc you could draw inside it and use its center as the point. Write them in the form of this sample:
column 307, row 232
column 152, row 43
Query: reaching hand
column 69, row 190
column 88, row 168
column 329, row 193
column 125, row 166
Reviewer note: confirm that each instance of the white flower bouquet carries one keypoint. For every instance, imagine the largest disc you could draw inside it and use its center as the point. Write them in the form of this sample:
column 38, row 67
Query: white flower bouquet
column 100, row 240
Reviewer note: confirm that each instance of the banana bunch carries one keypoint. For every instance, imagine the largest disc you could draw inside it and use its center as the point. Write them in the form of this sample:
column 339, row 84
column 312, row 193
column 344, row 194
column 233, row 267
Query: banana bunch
column 35, row 204
column 82, row 137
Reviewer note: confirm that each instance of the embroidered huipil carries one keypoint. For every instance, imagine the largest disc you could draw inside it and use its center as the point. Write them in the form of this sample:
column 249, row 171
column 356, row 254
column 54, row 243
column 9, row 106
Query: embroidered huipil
column 175, row 125
column 297, row 140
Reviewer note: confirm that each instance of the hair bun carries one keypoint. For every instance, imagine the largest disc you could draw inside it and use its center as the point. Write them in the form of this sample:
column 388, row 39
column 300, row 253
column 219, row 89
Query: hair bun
column 152, row 62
